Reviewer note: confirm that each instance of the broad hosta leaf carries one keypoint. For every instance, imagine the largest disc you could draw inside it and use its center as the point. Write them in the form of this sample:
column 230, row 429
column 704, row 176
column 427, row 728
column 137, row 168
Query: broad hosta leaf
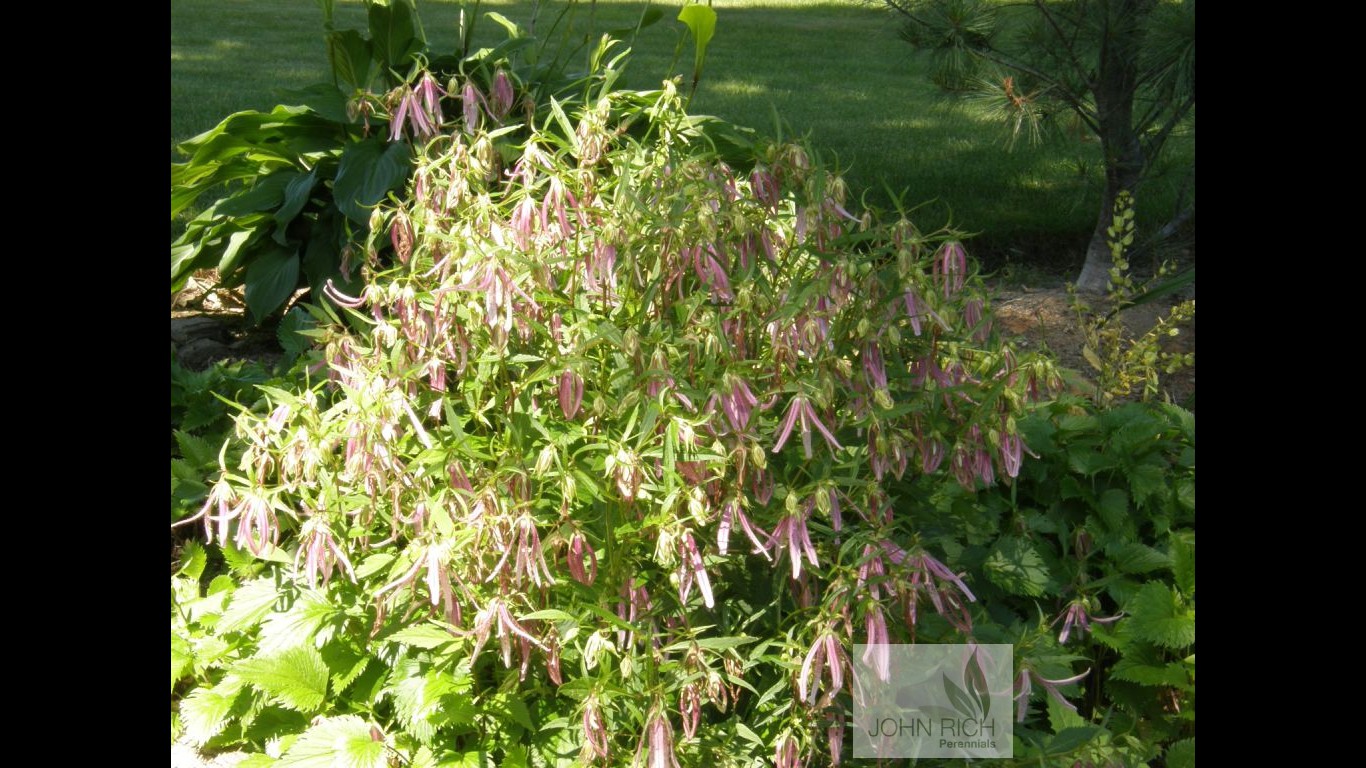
column 337, row 742
column 1159, row 617
column 296, row 197
column 349, row 53
column 271, row 278
column 394, row 32
column 1016, row 567
column 296, row 678
column 369, row 170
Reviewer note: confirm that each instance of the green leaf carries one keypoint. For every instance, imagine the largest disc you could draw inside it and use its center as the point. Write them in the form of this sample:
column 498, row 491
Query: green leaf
column 290, row 335
column 424, row 636
column 701, row 21
column 1069, row 739
column 296, row 197
column 1133, row 557
column 374, row 564
column 298, row 625
column 337, row 742
column 192, row 560
column 1016, row 567
column 257, row 760
column 205, row 711
column 250, row 604
column 1146, row 481
column 368, row 171
column 266, row 194
column 1144, row 665
column 350, row 55
column 345, row 662
column 393, row 33
column 1158, row 616
column 324, row 99
column 1183, row 562
column 181, row 658
column 1181, row 754
column 295, row 678
column 271, row 278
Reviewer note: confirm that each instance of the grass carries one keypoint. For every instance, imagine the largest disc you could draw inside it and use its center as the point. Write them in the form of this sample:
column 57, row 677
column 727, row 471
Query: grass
column 834, row 71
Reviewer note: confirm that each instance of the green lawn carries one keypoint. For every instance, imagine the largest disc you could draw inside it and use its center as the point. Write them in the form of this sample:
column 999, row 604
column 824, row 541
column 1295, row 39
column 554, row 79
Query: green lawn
column 833, row 70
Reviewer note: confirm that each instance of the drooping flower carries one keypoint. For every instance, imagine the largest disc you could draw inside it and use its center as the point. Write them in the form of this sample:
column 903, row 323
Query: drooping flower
column 692, row 568
column 595, row 735
column 1076, row 615
column 825, row 655
column 799, row 410
column 580, row 551
column 878, row 650
column 320, row 552
column 1023, row 687
column 731, row 513
column 657, row 743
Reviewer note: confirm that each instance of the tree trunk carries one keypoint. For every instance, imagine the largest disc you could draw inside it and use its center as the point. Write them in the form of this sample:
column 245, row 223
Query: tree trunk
column 1114, row 89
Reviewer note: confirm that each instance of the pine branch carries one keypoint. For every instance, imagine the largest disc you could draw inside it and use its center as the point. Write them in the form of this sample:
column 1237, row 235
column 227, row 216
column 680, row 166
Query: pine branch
column 1073, row 59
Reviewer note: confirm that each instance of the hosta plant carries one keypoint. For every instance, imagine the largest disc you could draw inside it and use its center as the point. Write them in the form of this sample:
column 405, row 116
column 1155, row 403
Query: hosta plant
column 610, row 465
column 297, row 185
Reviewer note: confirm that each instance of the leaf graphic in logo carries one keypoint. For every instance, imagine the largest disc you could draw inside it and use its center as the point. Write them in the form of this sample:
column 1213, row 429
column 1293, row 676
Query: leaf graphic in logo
column 975, row 678
column 959, row 698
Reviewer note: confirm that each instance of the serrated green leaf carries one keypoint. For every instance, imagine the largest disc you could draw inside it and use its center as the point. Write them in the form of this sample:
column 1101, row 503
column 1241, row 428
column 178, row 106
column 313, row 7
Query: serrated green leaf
column 423, row 636
column 1185, row 493
column 295, row 678
column 1138, row 667
column 1157, row 615
column 1146, row 481
column 181, row 657
column 1183, row 562
column 1133, row 557
column 1016, row 567
column 1069, row 739
column 249, row 604
column 196, row 450
column 257, row 760
column 204, row 713
column 510, row 709
column 337, row 742
column 192, row 560
column 1181, row 754
column 1086, row 460
column 296, row 626
column 345, row 662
